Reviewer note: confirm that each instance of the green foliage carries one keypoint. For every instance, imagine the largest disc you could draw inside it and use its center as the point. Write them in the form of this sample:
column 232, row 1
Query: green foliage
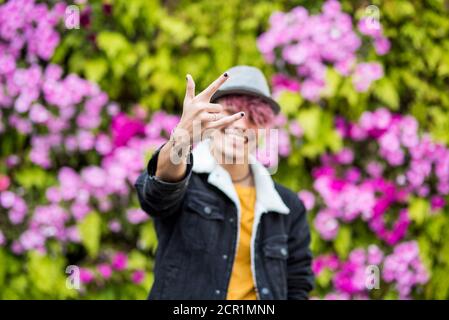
column 90, row 231
column 319, row 132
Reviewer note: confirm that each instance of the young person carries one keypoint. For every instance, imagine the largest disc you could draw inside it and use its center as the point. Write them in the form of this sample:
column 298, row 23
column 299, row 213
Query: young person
column 225, row 229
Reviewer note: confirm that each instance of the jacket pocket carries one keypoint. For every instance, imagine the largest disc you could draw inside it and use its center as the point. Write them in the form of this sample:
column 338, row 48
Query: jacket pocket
column 202, row 220
column 275, row 251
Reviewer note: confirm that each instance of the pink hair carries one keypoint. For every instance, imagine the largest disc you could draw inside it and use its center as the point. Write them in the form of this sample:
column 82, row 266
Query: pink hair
column 258, row 111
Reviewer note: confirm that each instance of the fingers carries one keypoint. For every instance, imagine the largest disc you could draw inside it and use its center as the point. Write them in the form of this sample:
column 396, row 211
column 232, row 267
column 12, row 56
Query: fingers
column 213, row 87
column 210, row 107
column 226, row 121
column 190, row 88
column 210, row 117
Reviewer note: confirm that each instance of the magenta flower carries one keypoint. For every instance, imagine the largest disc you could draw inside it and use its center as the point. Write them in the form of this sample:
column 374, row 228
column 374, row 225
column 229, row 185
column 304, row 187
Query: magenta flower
column 124, row 128
column 115, row 226
column 437, row 202
column 4, row 183
column 86, row 276
column 382, row 45
column 282, row 82
column 105, row 270
column 405, row 267
column 138, row 276
column 325, row 261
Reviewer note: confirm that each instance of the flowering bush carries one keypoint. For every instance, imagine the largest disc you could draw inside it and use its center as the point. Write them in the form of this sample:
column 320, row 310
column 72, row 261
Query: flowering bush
column 386, row 190
column 94, row 151
column 379, row 197
column 304, row 44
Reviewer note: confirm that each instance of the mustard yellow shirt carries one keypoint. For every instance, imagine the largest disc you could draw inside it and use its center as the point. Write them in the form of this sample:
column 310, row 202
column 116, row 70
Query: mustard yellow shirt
column 241, row 284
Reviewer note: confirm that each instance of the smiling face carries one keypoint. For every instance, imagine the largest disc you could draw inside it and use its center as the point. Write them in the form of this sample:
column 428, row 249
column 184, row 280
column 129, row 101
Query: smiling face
column 233, row 145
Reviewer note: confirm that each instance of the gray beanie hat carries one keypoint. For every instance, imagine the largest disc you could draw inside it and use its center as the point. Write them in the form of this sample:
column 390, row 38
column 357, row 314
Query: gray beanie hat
column 246, row 80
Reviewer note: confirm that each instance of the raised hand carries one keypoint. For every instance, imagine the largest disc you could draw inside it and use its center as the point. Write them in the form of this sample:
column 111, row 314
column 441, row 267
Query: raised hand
column 199, row 113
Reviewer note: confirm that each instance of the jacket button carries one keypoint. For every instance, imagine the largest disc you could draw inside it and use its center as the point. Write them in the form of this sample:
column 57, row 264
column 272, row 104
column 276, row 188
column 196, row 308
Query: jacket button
column 284, row 251
column 265, row 291
column 225, row 256
column 231, row 220
column 217, row 292
column 207, row 210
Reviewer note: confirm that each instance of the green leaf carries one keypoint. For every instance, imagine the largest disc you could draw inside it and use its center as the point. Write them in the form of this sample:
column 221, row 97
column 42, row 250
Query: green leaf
column 342, row 242
column 47, row 274
column 90, row 231
column 385, row 91
column 324, row 278
column 290, row 102
column 95, row 69
column 333, row 80
column 319, row 132
column 34, row 177
column 137, row 260
column 3, row 265
column 112, row 43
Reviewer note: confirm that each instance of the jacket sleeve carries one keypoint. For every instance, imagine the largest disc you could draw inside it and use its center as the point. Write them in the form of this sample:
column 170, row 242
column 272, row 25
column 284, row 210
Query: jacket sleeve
column 300, row 277
column 159, row 198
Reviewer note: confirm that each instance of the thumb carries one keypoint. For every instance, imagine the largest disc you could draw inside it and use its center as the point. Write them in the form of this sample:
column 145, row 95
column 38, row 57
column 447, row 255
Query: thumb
column 190, row 88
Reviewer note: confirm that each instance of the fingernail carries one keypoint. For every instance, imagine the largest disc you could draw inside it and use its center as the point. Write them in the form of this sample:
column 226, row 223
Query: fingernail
column 187, row 77
column 226, row 74
column 242, row 114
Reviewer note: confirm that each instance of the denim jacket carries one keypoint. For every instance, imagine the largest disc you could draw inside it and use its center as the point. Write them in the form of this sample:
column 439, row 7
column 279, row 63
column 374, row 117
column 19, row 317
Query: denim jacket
column 197, row 224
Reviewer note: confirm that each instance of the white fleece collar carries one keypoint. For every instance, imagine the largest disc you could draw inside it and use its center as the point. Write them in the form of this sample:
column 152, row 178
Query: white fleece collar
column 267, row 197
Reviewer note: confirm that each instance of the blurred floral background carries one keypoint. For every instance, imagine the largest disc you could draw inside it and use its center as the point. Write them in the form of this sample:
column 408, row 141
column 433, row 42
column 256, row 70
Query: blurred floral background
column 364, row 90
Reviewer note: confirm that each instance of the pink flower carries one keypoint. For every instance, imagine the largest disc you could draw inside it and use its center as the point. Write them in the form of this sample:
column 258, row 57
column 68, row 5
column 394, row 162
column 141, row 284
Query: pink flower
column 136, row 216
column 7, row 199
column 308, row 44
column 282, row 82
column 375, row 255
column 325, row 261
column 437, row 202
column 326, row 224
column 365, row 74
column 119, row 261
column 307, row 198
column 370, row 27
column 311, row 89
column 105, row 270
column 86, row 276
column 115, row 226
column 124, row 128
column 95, row 177
column 296, row 129
column 345, row 156
column 405, row 267
column 382, row 45
column 4, row 183
column 2, row 239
